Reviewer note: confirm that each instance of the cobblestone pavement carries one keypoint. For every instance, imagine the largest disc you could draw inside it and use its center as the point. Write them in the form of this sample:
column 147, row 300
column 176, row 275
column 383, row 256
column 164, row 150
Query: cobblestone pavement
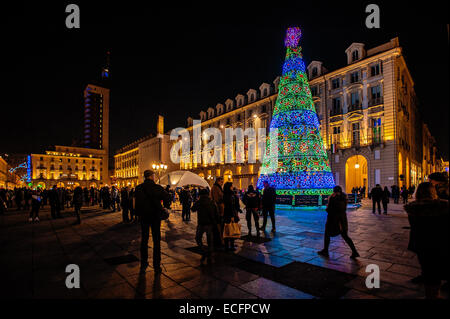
column 34, row 257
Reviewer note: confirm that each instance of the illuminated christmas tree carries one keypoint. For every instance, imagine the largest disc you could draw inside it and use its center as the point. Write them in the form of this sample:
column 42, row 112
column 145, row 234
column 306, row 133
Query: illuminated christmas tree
column 301, row 166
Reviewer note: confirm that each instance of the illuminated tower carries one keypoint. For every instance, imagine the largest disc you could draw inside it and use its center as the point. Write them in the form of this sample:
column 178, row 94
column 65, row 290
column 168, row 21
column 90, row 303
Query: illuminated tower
column 301, row 166
column 96, row 117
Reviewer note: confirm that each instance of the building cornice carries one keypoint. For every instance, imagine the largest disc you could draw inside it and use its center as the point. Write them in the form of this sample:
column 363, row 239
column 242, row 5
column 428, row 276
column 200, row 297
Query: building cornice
column 356, row 65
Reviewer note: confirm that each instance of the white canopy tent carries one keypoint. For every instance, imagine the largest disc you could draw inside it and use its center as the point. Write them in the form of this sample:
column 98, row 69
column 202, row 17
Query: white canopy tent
column 182, row 178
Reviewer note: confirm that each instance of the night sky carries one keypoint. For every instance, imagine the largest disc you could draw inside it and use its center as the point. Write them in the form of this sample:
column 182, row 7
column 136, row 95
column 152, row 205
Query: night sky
column 177, row 61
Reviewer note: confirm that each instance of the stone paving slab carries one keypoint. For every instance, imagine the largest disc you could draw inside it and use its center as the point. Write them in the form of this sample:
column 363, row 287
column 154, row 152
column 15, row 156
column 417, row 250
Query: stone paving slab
column 34, row 256
column 268, row 289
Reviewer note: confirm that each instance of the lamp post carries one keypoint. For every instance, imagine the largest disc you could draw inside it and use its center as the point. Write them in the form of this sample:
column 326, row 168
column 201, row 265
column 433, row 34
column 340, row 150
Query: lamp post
column 159, row 168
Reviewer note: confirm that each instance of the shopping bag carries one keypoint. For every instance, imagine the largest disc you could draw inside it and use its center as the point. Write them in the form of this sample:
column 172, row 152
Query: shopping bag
column 232, row 230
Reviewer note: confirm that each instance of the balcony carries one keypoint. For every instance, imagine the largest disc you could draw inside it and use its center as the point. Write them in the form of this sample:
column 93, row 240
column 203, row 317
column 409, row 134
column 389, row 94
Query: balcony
column 335, row 112
column 355, row 107
column 366, row 138
column 375, row 101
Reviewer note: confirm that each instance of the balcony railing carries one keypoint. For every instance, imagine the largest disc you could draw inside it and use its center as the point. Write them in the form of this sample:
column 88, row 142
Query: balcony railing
column 367, row 138
column 335, row 112
column 375, row 101
column 354, row 107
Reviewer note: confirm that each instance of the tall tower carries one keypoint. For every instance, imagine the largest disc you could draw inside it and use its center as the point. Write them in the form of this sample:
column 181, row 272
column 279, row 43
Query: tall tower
column 300, row 168
column 96, row 116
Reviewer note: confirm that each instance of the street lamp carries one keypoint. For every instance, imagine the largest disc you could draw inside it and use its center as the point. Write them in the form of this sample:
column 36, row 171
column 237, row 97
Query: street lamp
column 159, row 168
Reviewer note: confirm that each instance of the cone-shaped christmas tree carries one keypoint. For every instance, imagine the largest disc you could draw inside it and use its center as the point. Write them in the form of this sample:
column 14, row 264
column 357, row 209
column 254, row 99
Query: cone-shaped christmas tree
column 300, row 165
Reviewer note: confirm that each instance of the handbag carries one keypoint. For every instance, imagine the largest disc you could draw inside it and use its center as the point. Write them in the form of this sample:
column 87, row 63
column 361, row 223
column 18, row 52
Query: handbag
column 232, row 230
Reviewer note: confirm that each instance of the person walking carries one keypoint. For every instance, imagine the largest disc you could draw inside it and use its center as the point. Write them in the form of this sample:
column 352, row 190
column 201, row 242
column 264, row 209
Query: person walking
column 376, row 195
column 337, row 222
column 207, row 219
column 229, row 213
column 268, row 205
column 395, row 193
column 148, row 206
column 252, row 202
column 186, row 202
column 429, row 238
column 385, row 199
column 78, row 202
column 35, row 205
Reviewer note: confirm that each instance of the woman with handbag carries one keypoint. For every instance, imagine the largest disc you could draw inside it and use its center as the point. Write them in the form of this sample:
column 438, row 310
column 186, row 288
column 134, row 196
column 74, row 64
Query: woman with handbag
column 337, row 221
column 230, row 215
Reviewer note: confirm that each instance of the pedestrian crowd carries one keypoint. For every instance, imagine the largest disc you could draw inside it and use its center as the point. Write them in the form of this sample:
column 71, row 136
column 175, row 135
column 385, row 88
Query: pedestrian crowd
column 218, row 218
column 59, row 198
column 381, row 196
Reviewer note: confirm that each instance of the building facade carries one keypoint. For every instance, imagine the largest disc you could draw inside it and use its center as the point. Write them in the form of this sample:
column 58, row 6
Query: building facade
column 69, row 167
column 369, row 120
column 132, row 160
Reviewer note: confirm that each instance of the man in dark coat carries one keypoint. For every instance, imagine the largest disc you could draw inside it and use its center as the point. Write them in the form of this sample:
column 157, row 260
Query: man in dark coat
column 207, row 220
column 251, row 201
column 186, row 201
column 429, row 237
column 268, row 205
column 376, row 194
column 337, row 223
column 148, row 206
